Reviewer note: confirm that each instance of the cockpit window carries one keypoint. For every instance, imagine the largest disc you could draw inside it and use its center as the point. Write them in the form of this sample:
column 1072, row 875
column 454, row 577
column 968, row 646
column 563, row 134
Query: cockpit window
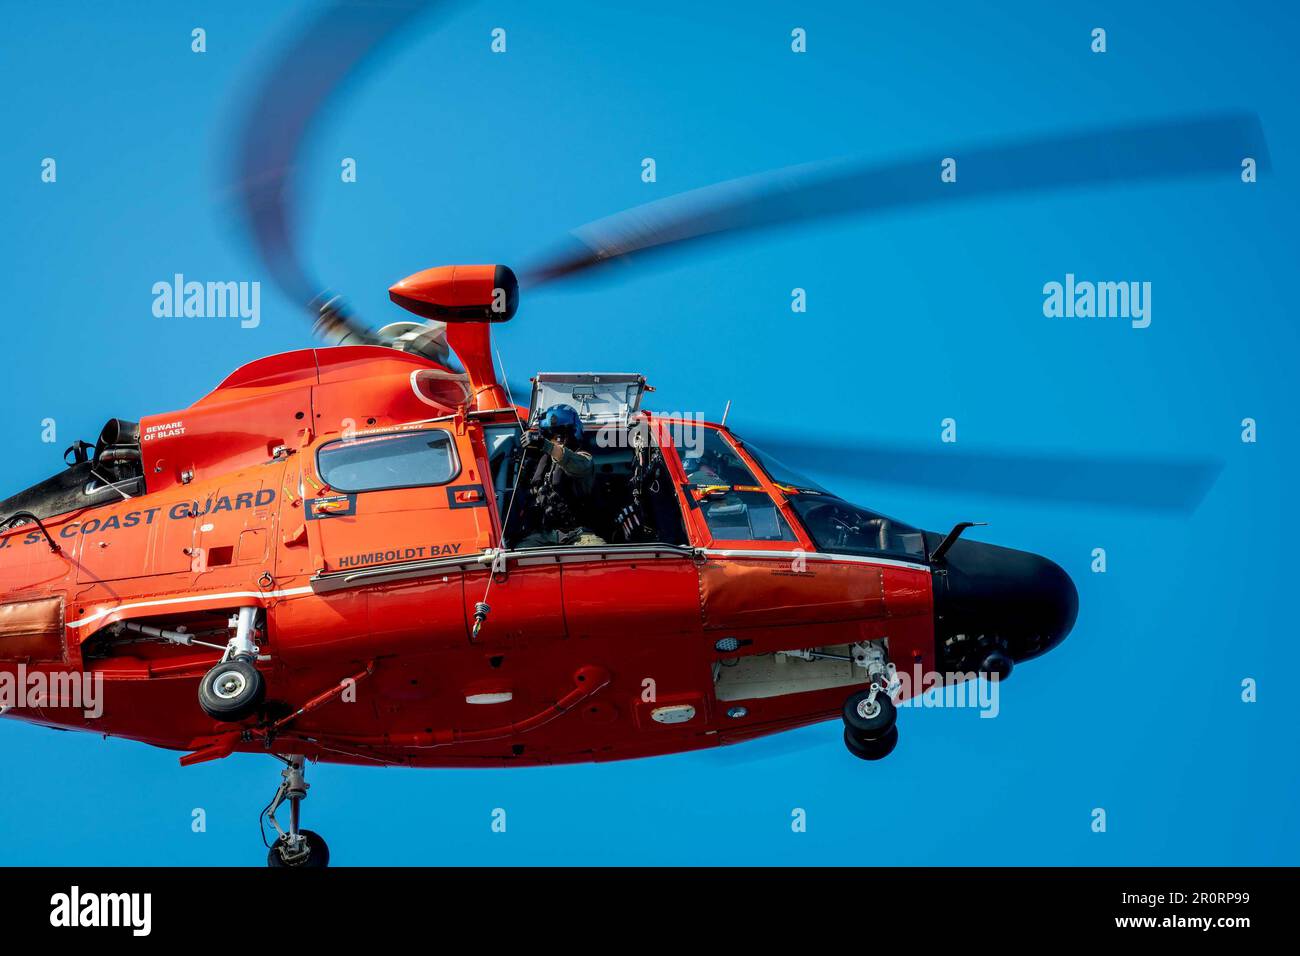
column 780, row 473
column 735, row 506
column 388, row 461
column 839, row 527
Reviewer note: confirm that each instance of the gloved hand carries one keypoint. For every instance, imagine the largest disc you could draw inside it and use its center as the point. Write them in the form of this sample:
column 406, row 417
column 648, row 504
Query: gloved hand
column 532, row 439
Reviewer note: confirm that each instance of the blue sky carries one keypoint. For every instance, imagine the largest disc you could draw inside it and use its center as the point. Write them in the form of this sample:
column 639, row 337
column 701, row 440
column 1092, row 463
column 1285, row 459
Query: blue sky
column 467, row 156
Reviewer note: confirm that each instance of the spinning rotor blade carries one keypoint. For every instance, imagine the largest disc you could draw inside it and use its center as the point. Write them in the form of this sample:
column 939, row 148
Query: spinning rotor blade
column 313, row 70
column 1172, row 486
column 344, row 37
column 1165, row 150
column 1175, row 486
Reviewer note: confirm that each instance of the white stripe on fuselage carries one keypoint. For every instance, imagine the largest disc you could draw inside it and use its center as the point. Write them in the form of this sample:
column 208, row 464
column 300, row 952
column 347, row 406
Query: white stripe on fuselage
column 167, row 602
column 711, row 552
column 814, row 556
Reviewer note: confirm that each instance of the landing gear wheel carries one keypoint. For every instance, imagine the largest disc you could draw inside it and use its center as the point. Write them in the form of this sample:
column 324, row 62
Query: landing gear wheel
column 867, row 716
column 313, row 852
column 232, row 690
column 874, row 749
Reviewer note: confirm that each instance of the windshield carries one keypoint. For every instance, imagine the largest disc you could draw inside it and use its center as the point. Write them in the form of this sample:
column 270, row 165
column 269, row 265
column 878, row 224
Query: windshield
column 839, row 527
column 833, row 523
column 780, row 473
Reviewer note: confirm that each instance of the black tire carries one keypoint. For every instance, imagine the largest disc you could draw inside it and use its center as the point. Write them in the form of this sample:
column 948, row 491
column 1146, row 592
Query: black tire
column 318, row 855
column 873, row 721
column 874, row 749
column 232, row 691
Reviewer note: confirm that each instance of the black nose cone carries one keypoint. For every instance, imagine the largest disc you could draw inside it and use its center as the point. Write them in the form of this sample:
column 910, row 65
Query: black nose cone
column 990, row 596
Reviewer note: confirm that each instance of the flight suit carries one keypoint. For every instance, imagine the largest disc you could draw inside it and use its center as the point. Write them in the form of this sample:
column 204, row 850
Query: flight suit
column 560, row 485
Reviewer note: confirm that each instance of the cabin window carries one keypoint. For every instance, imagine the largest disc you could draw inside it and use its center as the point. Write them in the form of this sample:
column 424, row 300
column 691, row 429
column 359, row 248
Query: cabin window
column 381, row 462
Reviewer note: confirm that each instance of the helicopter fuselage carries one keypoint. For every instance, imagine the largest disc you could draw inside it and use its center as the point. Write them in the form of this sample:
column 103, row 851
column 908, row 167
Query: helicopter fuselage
column 352, row 502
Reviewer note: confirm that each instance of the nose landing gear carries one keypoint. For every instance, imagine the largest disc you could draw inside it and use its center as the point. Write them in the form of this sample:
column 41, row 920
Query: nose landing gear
column 869, row 724
column 869, row 715
column 296, row 848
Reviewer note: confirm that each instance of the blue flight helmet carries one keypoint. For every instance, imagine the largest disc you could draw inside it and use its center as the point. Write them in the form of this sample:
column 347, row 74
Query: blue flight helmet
column 560, row 420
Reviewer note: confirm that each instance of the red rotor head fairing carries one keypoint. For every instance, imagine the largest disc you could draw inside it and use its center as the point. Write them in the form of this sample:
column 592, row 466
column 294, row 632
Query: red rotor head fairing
column 459, row 293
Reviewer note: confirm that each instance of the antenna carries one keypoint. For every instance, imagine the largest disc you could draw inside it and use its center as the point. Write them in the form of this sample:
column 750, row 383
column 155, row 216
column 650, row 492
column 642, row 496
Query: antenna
column 505, row 378
column 725, row 412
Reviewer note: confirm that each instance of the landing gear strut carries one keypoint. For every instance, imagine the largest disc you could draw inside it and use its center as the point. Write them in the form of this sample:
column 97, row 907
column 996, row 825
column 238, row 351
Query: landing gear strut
column 235, row 688
column 297, row 847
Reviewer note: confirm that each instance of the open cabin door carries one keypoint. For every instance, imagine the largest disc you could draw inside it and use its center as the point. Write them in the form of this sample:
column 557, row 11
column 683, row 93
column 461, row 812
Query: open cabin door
column 614, row 586
column 525, row 600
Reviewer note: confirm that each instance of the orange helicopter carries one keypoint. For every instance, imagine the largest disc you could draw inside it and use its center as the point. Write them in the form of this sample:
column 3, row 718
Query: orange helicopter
column 369, row 593
column 337, row 550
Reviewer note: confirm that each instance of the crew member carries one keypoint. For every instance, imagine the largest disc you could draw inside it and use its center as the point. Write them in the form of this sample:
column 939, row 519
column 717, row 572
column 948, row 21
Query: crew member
column 561, row 483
